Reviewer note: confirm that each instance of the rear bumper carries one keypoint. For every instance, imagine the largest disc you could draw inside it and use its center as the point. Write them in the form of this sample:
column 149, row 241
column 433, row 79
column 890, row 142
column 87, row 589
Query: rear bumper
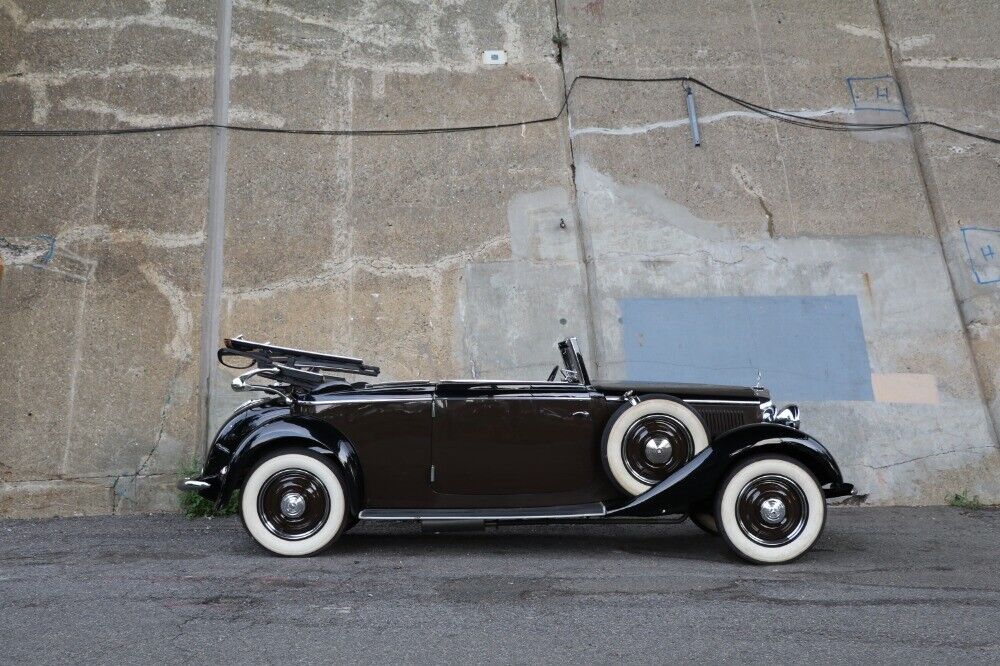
column 206, row 486
column 839, row 489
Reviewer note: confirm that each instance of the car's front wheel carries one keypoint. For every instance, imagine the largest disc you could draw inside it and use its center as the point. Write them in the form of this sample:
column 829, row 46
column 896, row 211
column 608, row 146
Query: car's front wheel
column 293, row 503
column 770, row 509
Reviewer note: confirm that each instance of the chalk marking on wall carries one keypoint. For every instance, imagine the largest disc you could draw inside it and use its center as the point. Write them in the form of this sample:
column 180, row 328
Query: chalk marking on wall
column 179, row 346
column 908, row 388
column 41, row 252
column 875, row 93
column 26, row 250
column 716, row 117
column 70, row 265
column 983, row 247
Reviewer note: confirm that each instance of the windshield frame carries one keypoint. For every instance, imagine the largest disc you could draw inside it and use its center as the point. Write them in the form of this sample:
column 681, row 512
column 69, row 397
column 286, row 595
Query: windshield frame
column 572, row 358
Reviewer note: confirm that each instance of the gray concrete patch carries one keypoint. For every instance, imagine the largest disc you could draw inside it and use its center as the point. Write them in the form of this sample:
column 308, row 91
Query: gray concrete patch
column 881, row 586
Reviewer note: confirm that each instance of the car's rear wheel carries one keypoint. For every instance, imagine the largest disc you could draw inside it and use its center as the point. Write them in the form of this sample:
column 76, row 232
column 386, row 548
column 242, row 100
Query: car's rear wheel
column 770, row 509
column 650, row 440
column 293, row 503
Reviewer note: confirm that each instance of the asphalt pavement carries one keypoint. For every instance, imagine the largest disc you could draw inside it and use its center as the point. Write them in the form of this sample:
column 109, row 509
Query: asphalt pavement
column 882, row 585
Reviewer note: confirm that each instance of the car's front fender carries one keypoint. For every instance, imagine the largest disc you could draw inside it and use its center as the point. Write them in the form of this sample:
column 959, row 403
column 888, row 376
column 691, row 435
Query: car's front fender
column 286, row 429
column 697, row 481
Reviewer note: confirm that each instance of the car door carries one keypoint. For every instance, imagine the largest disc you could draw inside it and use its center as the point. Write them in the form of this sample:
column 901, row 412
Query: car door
column 506, row 438
column 560, row 428
column 474, row 446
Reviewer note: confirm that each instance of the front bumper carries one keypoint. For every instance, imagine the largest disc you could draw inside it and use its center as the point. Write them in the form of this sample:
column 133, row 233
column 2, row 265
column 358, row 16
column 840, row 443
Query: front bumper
column 840, row 489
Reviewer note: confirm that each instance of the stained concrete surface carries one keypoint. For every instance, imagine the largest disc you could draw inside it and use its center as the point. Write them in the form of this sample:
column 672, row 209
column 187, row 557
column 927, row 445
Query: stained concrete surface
column 883, row 585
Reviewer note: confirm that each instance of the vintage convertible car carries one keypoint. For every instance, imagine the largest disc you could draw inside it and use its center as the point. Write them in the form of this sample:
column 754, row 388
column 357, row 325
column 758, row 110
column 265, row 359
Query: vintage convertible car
column 320, row 453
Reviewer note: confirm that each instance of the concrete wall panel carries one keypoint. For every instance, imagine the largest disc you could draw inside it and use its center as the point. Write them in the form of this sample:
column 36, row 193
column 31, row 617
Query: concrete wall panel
column 101, row 329
column 946, row 56
column 762, row 210
column 470, row 254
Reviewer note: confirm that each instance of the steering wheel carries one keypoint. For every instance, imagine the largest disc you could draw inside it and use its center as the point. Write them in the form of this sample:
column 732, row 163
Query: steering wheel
column 552, row 375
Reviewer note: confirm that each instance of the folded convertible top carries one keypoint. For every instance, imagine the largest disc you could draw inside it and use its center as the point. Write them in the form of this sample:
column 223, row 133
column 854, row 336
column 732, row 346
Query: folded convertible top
column 266, row 355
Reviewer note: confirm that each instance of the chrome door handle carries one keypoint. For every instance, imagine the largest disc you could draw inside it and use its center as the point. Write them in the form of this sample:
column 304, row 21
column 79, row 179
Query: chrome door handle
column 580, row 415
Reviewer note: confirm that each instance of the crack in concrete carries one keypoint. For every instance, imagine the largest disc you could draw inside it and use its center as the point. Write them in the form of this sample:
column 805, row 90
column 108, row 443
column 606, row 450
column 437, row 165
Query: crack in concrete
column 929, row 455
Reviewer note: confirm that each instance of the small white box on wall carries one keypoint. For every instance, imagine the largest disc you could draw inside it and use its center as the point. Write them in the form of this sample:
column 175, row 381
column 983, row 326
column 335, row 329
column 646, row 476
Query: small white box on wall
column 494, row 57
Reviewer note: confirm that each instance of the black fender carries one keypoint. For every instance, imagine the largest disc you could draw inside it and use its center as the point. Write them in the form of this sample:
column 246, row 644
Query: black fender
column 698, row 480
column 318, row 437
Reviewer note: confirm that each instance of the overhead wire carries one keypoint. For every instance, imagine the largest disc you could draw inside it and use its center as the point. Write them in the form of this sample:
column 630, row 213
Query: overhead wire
column 776, row 114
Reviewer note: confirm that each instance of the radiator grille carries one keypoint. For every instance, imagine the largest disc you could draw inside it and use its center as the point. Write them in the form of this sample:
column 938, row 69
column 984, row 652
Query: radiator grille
column 721, row 418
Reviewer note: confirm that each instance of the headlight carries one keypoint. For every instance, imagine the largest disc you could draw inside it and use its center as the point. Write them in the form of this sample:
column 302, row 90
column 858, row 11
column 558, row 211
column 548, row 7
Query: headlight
column 789, row 416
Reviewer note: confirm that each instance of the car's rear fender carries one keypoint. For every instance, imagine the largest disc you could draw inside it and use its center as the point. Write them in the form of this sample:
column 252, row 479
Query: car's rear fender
column 698, row 480
column 289, row 431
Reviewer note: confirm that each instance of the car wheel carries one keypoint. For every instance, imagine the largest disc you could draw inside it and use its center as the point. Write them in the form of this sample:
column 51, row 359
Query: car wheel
column 293, row 503
column 770, row 510
column 649, row 441
column 706, row 521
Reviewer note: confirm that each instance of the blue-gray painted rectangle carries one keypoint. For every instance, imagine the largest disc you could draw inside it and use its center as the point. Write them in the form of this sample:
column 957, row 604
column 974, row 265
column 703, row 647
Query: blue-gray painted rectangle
column 807, row 347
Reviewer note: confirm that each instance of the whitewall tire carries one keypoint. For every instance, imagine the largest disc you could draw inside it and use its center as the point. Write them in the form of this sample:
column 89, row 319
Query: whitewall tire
column 649, row 441
column 293, row 503
column 770, row 509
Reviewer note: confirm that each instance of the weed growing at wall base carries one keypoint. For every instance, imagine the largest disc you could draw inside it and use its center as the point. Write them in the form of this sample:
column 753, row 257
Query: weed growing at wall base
column 963, row 501
column 195, row 506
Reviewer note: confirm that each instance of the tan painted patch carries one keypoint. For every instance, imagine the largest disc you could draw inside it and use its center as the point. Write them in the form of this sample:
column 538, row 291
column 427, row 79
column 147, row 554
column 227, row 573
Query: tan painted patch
column 906, row 387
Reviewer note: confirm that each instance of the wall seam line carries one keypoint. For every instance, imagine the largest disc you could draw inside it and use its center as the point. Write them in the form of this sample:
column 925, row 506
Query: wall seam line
column 583, row 242
column 216, row 222
column 937, row 216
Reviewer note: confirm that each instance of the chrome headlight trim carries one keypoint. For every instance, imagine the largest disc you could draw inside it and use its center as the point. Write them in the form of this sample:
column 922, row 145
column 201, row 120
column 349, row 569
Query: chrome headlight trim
column 789, row 416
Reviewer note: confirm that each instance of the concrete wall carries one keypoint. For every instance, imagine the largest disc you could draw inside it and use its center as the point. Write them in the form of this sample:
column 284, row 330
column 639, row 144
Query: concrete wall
column 470, row 254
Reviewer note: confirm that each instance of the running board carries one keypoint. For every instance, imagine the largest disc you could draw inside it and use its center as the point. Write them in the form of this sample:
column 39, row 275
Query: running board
column 595, row 510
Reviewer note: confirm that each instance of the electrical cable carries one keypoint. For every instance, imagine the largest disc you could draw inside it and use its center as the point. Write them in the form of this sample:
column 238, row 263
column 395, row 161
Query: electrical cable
column 776, row 114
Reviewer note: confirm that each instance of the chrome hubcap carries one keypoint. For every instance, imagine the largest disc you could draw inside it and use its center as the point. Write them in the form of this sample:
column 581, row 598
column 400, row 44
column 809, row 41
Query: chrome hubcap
column 659, row 451
column 293, row 505
column 772, row 511
column 655, row 446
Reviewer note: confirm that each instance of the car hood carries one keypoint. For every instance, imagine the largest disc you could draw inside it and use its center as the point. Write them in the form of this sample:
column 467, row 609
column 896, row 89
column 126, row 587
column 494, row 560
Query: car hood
column 686, row 391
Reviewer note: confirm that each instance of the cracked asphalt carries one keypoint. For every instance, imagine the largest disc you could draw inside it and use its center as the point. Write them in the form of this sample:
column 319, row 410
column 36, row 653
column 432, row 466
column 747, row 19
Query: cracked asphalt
column 882, row 585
